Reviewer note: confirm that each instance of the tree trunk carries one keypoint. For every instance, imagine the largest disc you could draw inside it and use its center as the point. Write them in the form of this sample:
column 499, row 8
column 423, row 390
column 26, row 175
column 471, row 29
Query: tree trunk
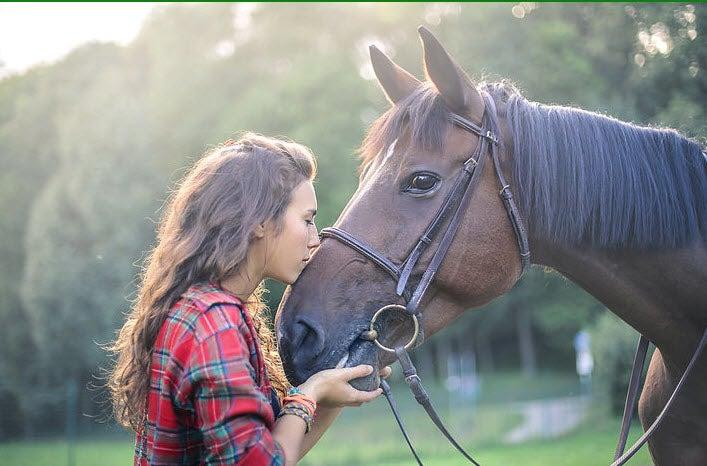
column 424, row 359
column 526, row 344
column 485, row 354
column 444, row 351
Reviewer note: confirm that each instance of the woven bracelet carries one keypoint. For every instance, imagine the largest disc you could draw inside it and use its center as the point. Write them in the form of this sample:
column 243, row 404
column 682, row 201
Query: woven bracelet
column 307, row 402
column 300, row 412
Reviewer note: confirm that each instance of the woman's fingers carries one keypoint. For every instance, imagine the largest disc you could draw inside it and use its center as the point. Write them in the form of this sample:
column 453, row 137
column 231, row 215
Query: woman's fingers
column 360, row 396
column 350, row 373
column 385, row 372
column 341, row 393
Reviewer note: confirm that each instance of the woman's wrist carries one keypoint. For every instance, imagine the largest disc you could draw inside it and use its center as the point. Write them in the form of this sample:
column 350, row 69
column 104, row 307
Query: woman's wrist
column 308, row 389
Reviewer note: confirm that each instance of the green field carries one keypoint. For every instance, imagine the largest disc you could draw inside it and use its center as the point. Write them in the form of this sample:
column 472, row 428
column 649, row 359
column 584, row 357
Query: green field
column 587, row 447
column 369, row 435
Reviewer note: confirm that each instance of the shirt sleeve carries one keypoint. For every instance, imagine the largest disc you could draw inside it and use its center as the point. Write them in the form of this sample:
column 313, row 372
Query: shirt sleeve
column 230, row 411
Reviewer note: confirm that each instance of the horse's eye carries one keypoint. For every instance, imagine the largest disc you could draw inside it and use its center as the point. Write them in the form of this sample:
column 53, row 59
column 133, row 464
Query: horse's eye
column 421, row 183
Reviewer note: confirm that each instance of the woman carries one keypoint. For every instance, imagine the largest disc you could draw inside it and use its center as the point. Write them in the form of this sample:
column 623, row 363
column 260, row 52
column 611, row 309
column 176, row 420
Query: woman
column 198, row 376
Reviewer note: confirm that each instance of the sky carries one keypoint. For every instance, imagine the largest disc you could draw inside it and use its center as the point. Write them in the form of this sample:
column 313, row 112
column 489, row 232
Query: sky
column 32, row 33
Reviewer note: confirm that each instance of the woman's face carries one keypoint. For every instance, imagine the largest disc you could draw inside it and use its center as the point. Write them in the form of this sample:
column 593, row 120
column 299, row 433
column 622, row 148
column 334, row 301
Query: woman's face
column 289, row 251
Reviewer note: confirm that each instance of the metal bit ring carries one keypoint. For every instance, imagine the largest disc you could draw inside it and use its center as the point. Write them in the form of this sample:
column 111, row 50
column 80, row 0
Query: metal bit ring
column 373, row 332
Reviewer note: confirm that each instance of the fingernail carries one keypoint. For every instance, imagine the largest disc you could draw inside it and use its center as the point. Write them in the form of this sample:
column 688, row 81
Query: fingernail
column 369, row 369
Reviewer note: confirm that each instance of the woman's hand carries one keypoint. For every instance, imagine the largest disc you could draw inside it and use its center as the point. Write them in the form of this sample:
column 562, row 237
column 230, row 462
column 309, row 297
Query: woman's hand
column 331, row 388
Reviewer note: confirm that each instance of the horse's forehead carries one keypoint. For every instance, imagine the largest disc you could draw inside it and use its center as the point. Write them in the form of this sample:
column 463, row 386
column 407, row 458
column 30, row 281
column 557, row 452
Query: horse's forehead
column 403, row 149
column 379, row 163
column 389, row 151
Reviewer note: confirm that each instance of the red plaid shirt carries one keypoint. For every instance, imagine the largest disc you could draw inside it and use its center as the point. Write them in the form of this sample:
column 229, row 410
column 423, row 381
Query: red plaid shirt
column 210, row 397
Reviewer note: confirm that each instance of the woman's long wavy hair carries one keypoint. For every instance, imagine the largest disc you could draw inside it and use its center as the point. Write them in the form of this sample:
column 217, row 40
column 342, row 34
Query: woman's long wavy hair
column 204, row 235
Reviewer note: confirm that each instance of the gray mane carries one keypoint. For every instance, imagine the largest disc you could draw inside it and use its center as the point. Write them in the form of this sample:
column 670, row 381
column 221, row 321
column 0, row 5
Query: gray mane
column 583, row 178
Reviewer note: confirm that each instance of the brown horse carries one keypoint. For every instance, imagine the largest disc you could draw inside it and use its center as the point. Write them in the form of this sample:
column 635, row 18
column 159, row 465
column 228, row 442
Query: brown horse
column 619, row 209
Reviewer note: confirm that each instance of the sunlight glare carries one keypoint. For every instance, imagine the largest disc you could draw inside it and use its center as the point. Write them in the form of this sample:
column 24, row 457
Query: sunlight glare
column 32, row 33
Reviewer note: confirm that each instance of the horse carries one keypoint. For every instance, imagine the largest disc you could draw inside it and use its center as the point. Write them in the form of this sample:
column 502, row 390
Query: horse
column 617, row 208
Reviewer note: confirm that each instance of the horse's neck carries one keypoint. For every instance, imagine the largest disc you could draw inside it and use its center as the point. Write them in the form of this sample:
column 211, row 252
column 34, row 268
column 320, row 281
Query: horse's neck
column 661, row 294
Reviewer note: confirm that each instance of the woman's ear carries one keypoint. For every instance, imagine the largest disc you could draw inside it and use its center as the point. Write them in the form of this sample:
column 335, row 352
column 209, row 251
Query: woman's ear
column 259, row 231
column 264, row 229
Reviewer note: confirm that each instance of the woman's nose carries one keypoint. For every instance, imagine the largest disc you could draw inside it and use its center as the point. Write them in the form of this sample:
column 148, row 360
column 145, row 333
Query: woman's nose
column 313, row 238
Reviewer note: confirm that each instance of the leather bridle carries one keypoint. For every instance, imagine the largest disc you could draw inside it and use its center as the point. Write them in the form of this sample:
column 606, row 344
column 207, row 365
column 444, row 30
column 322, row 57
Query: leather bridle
column 451, row 213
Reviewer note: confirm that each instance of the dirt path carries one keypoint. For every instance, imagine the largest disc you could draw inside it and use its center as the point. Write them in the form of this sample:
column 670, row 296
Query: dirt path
column 548, row 418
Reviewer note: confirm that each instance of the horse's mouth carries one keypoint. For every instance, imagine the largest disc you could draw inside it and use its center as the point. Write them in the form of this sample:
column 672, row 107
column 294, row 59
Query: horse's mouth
column 362, row 352
column 342, row 361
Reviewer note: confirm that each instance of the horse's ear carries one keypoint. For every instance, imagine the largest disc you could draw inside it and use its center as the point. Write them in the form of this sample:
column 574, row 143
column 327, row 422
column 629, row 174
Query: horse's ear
column 395, row 81
column 453, row 84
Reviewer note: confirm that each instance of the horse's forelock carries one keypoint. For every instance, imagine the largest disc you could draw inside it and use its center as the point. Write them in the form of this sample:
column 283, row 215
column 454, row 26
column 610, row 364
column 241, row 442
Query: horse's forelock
column 422, row 113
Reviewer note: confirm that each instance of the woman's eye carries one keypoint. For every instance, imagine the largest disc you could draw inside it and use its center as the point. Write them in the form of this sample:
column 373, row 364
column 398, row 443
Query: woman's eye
column 421, row 183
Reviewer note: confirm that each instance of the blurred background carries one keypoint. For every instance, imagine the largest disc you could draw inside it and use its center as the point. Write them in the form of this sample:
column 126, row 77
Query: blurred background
column 92, row 141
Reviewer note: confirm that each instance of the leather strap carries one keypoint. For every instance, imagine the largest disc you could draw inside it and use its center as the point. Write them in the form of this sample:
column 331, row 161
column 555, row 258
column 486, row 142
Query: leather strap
column 430, row 232
column 362, row 248
column 415, row 384
column 632, row 394
column 472, row 173
column 513, row 214
column 646, row 435
column 393, row 407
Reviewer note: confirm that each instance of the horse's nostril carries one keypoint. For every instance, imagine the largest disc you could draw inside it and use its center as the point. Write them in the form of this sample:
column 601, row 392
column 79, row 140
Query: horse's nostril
column 308, row 340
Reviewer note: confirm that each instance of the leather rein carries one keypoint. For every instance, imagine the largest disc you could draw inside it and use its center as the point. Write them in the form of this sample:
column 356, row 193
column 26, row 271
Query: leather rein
column 451, row 212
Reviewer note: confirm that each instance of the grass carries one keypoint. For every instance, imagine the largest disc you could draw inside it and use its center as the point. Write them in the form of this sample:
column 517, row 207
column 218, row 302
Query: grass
column 590, row 446
column 369, row 435
column 55, row 453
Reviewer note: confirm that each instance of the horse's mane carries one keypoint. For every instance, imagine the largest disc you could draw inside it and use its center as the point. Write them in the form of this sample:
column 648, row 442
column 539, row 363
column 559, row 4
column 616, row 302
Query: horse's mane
column 583, row 178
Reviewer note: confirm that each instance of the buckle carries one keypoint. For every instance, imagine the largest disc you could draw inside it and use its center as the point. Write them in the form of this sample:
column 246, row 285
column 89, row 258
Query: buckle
column 491, row 137
column 505, row 192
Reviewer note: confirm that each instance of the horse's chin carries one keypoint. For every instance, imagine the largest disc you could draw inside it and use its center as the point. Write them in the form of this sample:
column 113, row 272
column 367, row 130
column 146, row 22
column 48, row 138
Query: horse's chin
column 364, row 352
